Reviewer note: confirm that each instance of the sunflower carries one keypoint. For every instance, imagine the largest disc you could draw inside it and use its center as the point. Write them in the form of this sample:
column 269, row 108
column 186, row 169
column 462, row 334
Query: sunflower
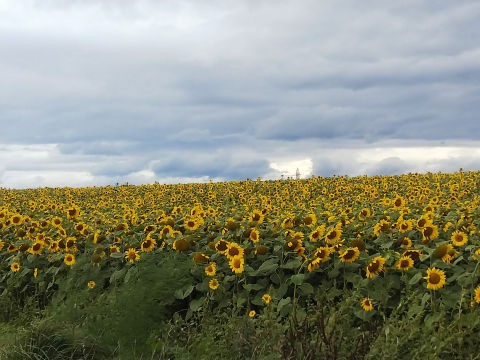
column 287, row 223
column 380, row 227
column 200, row 258
column 313, row 265
column 254, row 235
column 191, row 223
column 366, row 304
column 181, row 245
column 234, row 250
column 364, row 214
column 132, row 255
column 398, row 203
column 73, row 211
column 213, row 284
column 405, row 242
column 429, row 232
column 322, row 253
column 221, row 246
column 266, row 298
column 405, row 226
column 2, row 244
column 211, row 269
column 56, row 221
column 446, row 252
column 435, row 278
column 69, row 259
column 317, row 234
column 114, row 249
column 459, row 238
column 333, row 235
column 148, row 245
column 261, row 250
column 16, row 219
column 310, row 220
column 256, row 216
column 237, row 264
column 53, row 246
column 375, row 267
column 15, row 266
column 413, row 253
column 91, row 284
column 252, row 313
column 405, row 263
column 349, row 255
column 36, row 248
column 475, row 256
column 477, row 294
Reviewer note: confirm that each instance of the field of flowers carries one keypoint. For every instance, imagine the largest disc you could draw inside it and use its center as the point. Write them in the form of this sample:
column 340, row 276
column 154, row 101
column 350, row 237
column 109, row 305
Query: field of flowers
column 279, row 251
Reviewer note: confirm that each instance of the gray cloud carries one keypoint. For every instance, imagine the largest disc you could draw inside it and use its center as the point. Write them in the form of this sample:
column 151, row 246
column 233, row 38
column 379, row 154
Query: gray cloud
column 184, row 89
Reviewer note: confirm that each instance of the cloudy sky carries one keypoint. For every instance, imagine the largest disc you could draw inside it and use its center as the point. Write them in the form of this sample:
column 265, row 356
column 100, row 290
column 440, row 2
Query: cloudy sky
column 97, row 92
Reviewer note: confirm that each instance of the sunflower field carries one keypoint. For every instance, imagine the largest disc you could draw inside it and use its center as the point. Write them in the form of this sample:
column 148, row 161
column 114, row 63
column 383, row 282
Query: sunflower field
column 337, row 267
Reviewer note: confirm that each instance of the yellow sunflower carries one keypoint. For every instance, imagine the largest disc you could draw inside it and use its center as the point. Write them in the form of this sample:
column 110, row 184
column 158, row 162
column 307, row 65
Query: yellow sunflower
column 15, row 266
column 69, row 259
column 322, row 253
column 36, row 248
column 252, row 313
column 313, row 265
column 213, row 284
column 91, row 284
column 349, row 255
column 459, row 238
column 333, row 235
column 366, row 304
column 237, row 264
column 310, row 220
column 148, row 245
column 375, row 267
column 234, row 250
column 429, row 232
column 256, row 217
column 254, row 235
column 266, row 298
column 221, row 246
column 436, row 278
column 191, row 223
column 317, row 234
column 477, row 294
column 132, row 255
column 405, row 263
column 211, row 269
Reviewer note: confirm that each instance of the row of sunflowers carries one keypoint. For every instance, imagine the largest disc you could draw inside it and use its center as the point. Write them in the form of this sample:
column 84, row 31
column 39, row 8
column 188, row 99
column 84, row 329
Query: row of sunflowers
column 257, row 244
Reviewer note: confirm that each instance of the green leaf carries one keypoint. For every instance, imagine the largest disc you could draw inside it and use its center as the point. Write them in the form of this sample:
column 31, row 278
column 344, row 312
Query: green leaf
column 292, row 264
column 415, row 278
column 268, row 267
column 297, row 279
column 183, row 293
column 306, row 289
column 353, row 278
column 250, row 287
column 196, row 304
column 117, row 275
column 283, row 306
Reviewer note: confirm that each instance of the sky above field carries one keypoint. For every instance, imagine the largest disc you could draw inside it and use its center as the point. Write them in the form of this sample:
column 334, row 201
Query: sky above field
column 102, row 92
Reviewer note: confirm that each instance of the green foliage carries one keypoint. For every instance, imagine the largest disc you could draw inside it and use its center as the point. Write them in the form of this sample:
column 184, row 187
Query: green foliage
column 43, row 340
column 123, row 315
column 412, row 332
